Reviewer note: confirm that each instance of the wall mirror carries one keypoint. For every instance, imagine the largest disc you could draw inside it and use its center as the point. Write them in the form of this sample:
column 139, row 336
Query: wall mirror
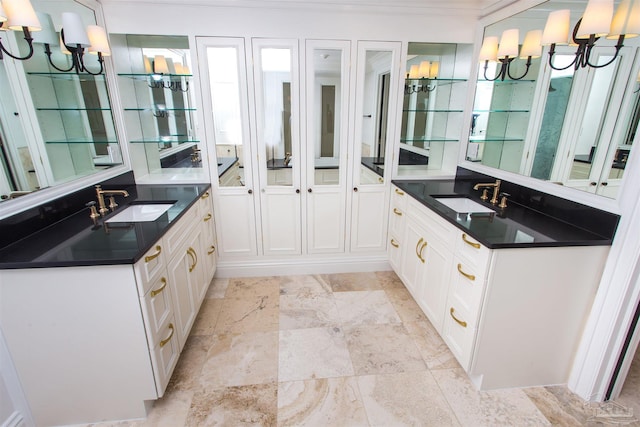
column 573, row 127
column 435, row 92
column 56, row 127
column 157, row 95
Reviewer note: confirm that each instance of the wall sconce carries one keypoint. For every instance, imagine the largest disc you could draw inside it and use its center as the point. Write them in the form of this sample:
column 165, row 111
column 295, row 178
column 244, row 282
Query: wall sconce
column 159, row 68
column 506, row 51
column 598, row 21
column 73, row 41
column 18, row 15
column 426, row 70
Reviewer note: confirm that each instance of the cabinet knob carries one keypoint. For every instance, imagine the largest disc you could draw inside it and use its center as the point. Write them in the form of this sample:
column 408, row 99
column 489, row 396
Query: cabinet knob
column 250, row 191
column 309, row 190
column 355, row 189
column 604, row 184
column 297, row 191
column 593, row 183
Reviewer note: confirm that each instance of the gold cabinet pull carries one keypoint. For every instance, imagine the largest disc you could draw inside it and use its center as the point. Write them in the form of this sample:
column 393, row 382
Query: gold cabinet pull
column 400, row 193
column 458, row 321
column 394, row 244
column 153, row 256
column 380, row 180
column 208, row 217
column 167, row 339
column 467, row 275
column 469, row 242
column 205, row 195
column 211, row 250
column 194, row 257
column 160, row 289
column 420, row 247
column 397, row 212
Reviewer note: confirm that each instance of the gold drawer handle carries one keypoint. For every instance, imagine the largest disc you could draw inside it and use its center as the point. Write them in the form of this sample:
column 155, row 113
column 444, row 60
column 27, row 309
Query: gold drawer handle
column 458, row 321
column 420, row 247
column 467, row 275
column 399, row 192
column 160, row 289
column 397, row 212
column 208, row 217
column 205, row 195
column 166, row 340
column 212, row 249
column 194, row 257
column 154, row 256
column 469, row 242
column 394, row 244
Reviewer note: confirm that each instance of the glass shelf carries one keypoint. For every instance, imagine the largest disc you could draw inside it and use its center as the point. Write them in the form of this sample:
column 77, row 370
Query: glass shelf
column 165, row 140
column 147, row 76
column 433, row 111
column 504, row 82
column 429, row 140
column 159, row 109
column 437, row 81
column 73, row 109
column 68, row 76
column 493, row 139
column 501, row 111
column 82, row 141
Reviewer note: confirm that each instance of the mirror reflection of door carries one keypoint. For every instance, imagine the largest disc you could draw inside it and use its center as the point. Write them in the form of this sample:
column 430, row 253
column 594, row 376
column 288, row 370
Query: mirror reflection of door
column 327, row 124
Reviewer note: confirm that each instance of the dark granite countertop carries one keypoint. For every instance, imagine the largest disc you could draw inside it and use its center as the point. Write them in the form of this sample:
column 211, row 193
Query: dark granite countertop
column 225, row 163
column 516, row 226
column 74, row 241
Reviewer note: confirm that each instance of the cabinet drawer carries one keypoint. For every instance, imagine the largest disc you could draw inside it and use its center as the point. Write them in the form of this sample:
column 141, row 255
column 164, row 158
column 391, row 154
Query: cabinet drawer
column 437, row 227
column 399, row 199
column 459, row 331
column 156, row 309
column 467, row 285
column 474, row 252
column 176, row 236
column 149, row 268
column 164, row 355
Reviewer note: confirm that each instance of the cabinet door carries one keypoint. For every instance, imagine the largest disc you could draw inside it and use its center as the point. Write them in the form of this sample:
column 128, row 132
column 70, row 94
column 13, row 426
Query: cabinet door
column 413, row 265
column 208, row 240
column 377, row 76
column 432, row 297
column 277, row 95
column 327, row 88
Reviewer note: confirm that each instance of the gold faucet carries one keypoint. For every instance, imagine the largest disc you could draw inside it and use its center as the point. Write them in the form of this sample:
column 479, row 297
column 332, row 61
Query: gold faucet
column 496, row 190
column 112, row 202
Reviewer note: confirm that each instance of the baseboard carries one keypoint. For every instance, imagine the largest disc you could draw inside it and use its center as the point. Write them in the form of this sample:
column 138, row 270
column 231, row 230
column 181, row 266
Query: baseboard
column 294, row 266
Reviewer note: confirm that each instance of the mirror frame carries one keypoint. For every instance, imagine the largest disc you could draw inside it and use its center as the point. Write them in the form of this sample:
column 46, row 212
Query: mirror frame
column 17, row 205
column 597, row 201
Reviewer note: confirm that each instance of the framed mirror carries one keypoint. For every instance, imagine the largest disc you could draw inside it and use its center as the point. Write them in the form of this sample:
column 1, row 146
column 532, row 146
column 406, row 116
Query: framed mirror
column 56, row 125
column 565, row 124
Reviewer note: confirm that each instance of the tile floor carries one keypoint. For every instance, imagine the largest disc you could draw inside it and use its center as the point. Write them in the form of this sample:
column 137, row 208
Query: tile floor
column 335, row 350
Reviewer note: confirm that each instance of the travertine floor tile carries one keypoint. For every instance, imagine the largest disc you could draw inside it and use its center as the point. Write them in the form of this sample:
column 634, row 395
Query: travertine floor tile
column 313, row 353
column 252, row 405
column 217, row 288
column 405, row 305
column 505, row 407
column 559, row 407
column 252, row 287
column 389, row 280
column 405, row 399
column 433, row 349
column 241, row 359
column 250, row 314
column 303, row 286
column 187, row 372
column 308, row 311
column 380, row 349
column 365, row 307
column 171, row 410
column 205, row 322
column 321, row 402
column 347, row 282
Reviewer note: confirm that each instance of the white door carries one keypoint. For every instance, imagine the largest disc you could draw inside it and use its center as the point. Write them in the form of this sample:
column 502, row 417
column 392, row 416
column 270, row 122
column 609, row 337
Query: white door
column 375, row 109
column 327, row 109
column 225, row 99
column 277, row 113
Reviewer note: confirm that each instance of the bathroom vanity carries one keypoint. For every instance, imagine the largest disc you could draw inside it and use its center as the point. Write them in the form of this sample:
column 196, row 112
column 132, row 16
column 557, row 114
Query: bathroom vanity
column 508, row 289
column 96, row 316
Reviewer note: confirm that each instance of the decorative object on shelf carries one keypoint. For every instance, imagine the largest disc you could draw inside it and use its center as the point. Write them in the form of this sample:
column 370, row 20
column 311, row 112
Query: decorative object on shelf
column 18, row 15
column 506, row 51
column 598, row 21
column 74, row 39
column 426, row 71
column 160, row 68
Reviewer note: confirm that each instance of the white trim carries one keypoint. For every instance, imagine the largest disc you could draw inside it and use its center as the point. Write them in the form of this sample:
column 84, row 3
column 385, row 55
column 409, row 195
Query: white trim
column 315, row 265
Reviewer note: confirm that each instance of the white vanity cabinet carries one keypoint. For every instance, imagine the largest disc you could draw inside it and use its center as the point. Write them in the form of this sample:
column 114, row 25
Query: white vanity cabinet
column 95, row 343
column 512, row 317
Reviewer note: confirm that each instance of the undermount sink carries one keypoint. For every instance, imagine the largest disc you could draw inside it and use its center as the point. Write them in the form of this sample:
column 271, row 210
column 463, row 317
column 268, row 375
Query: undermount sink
column 463, row 205
column 141, row 212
